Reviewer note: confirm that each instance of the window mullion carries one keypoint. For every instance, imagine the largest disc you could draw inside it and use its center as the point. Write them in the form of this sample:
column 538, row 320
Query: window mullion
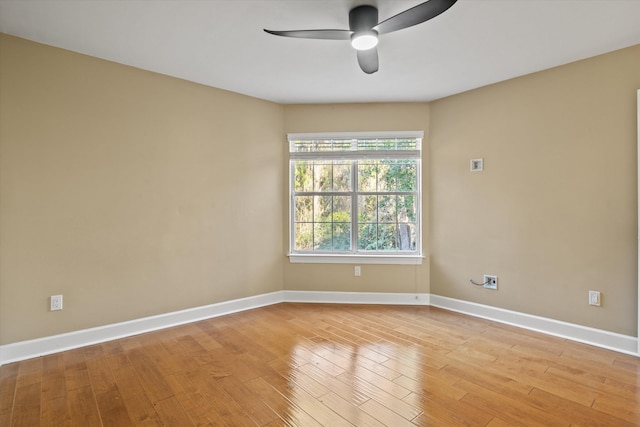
column 354, row 206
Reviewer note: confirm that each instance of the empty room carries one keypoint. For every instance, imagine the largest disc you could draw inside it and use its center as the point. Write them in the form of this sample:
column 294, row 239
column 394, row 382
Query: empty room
column 319, row 213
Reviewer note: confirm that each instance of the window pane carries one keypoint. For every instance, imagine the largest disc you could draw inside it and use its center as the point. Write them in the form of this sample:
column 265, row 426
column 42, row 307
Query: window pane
column 394, row 144
column 368, row 208
column 368, row 237
column 397, row 175
column 341, row 209
column 387, row 171
column 322, row 236
column 406, row 208
column 406, row 237
column 342, row 176
column 323, row 223
column 322, row 176
column 407, row 175
column 303, row 180
column 342, row 236
column 387, row 209
column 387, row 237
column 304, row 209
column 304, row 236
column 322, row 208
column 317, row 145
column 367, row 175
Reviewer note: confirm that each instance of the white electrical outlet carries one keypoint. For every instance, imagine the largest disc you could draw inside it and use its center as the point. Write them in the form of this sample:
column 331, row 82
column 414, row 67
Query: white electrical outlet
column 594, row 298
column 357, row 271
column 56, row 302
column 490, row 282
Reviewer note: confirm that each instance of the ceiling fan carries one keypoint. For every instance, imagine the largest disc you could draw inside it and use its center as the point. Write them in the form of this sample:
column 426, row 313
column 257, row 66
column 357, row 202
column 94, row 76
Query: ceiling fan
column 364, row 29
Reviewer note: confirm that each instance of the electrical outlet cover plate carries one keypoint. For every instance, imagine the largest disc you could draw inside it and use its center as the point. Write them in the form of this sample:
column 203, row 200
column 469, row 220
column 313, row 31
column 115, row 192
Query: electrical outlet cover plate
column 56, row 302
column 490, row 282
column 594, row 298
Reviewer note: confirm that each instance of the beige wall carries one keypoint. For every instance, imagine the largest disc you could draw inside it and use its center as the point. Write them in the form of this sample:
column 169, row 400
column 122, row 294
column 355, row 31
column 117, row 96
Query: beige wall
column 126, row 192
column 355, row 118
column 120, row 190
column 554, row 213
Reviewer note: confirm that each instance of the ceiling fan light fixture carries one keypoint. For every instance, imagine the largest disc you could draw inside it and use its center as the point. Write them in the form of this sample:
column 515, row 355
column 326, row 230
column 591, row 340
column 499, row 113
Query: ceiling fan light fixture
column 364, row 28
column 364, row 40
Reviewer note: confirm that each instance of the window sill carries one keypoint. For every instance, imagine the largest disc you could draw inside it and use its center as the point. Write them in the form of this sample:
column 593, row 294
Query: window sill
column 355, row 259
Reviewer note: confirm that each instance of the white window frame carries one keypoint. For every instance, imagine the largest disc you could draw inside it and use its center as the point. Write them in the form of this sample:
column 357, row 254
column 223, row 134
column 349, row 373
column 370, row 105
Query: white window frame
column 378, row 257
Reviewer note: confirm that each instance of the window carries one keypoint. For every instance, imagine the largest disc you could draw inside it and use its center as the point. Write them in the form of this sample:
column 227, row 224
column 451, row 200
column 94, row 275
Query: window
column 355, row 195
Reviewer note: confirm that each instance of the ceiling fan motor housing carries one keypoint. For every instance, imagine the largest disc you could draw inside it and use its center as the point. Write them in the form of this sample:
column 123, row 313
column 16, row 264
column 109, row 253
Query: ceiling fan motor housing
column 363, row 18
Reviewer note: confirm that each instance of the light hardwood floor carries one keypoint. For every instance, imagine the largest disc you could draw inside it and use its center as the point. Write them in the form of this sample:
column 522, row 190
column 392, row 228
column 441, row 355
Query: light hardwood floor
column 333, row 365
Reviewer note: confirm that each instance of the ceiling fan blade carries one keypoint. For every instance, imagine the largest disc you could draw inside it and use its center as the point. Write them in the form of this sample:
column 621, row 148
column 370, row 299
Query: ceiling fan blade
column 314, row 34
column 368, row 60
column 414, row 16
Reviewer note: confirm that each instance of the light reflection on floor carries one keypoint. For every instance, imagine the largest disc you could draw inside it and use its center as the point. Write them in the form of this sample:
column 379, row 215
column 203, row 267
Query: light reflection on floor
column 354, row 381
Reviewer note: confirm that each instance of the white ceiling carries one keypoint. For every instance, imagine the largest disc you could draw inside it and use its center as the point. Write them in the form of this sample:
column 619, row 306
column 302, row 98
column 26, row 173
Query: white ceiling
column 220, row 43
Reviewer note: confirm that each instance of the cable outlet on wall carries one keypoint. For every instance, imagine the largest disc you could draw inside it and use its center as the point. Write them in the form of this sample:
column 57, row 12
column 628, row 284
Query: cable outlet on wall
column 594, row 298
column 490, row 282
column 56, row 302
column 476, row 165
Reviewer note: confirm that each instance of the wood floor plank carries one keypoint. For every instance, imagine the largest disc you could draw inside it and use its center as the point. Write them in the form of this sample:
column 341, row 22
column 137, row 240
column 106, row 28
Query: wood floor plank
column 289, row 412
column 26, row 409
column 55, row 405
column 341, row 388
column 229, row 411
column 382, row 396
column 350, row 356
column 363, row 375
column 55, row 412
column 107, row 395
column 76, row 374
column 113, row 410
column 244, row 397
column 8, row 380
column 497, row 422
column 447, row 411
column 511, row 408
column 628, row 410
column 296, row 364
column 171, row 413
column 83, row 408
column 580, row 414
column 431, row 386
column 139, row 407
column 487, row 377
column 384, row 414
column 297, row 378
column 192, row 400
column 353, row 414
column 150, row 375
column 312, row 406
column 346, row 340
column 29, row 372
column 222, row 363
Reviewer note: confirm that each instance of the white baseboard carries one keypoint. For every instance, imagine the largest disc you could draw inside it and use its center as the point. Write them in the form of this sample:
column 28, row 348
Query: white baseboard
column 597, row 337
column 53, row 344
column 356, row 297
column 42, row 346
